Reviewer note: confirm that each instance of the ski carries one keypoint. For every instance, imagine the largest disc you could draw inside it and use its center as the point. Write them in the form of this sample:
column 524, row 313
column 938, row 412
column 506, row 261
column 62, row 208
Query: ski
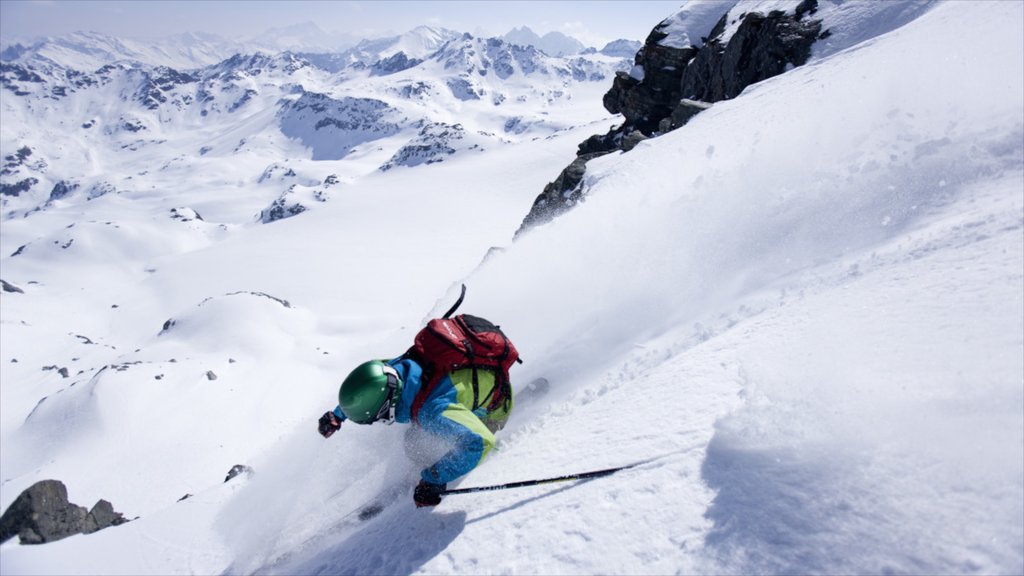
column 370, row 511
column 385, row 498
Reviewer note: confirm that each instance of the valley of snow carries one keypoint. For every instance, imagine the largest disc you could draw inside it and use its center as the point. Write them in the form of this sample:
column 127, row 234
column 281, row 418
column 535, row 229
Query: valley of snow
column 806, row 307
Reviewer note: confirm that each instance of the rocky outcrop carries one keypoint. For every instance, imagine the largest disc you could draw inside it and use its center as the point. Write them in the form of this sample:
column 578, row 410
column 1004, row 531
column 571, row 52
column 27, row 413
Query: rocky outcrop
column 18, row 187
column 62, row 189
column 296, row 200
column 8, row 287
column 434, row 143
column 42, row 514
column 393, row 64
column 156, row 86
column 15, row 165
column 238, row 470
column 763, row 46
column 284, row 207
column 332, row 127
column 560, row 195
column 672, row 81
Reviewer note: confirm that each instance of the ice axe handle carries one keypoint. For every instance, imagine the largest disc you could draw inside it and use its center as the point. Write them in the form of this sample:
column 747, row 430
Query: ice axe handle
column 458, row 303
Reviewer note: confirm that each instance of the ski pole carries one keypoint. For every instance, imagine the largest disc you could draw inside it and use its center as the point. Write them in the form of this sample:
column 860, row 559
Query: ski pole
column 525, row 483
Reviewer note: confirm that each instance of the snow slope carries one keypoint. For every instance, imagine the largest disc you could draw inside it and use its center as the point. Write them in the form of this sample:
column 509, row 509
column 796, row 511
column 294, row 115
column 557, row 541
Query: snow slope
column 807, row 305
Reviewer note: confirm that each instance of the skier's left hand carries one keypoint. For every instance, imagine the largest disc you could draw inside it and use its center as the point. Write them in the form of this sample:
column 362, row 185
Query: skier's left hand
column 328, row 424
column 427, row 494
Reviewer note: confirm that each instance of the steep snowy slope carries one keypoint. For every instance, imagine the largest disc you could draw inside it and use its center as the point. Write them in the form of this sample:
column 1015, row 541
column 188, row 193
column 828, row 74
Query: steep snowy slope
column 807, row 305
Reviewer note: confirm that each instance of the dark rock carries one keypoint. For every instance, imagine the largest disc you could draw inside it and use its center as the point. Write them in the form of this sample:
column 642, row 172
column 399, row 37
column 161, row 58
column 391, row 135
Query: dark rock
column 236, row 470
column 18, row 187
column 280, row 301
column 395, row 63
column 601, row 143
column 433, row 144
column 281, row 208
column 103, row 516
column 645, row 102
column 131, row 125
column 249, row 93
column 762, row 47
column 668, row 86
column 42, row 513
column 210, row 375
column 153, row 91
column 629, row 141
column 62, row 189
column 560, row 195
column 185, row 214
column 8, row 287
column 53, row 367
column 685, row 110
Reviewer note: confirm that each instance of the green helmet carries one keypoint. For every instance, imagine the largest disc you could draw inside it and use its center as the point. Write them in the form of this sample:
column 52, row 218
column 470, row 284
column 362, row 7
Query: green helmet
column 370, row 393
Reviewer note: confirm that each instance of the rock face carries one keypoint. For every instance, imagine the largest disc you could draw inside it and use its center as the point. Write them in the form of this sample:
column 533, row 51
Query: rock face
column 433, row 144
column 8, row 287
column 673, row 80
column 42, row 514
column 237, row 470
column 762, row 47
column 332, row 127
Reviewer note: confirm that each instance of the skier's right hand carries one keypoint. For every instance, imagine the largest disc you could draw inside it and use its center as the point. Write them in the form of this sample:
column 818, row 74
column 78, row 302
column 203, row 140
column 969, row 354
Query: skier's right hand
column 329, row 424
column 428, row 494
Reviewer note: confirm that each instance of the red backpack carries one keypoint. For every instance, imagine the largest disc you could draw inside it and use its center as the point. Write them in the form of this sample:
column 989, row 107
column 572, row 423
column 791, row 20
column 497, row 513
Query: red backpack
column 464, row 341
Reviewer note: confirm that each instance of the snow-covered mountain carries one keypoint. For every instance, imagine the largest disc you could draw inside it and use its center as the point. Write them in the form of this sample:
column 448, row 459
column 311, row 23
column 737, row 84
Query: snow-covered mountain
column 804, row 309
column 89, row 51
column 553, row 43
column 622, row 48
column 414, row 104
column 303, row 37
column 417, row 44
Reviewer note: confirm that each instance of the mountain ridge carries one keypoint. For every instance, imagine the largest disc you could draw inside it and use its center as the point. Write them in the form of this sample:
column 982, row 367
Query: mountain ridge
column 503, row 88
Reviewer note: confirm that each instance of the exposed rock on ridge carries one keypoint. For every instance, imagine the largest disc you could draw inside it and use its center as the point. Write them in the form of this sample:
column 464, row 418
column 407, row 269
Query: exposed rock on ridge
column 670, row 84
column 42, row 514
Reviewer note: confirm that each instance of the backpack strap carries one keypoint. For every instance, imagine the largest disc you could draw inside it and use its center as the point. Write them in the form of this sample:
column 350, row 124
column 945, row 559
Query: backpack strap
column 427, row 383
column 476, row 390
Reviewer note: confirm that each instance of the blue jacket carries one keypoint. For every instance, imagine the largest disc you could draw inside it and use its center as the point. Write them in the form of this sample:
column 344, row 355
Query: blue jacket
column 447, row 414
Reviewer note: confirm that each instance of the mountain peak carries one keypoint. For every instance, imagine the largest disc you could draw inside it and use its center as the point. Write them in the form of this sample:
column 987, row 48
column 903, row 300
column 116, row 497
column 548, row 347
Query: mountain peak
column 553, row 43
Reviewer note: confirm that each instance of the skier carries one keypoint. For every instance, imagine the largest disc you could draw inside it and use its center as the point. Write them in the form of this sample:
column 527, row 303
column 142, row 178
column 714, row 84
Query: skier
column 462, row 410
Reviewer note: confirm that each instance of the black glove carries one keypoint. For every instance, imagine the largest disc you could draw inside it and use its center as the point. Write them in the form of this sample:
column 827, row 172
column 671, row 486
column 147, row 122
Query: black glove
column 427, row 494
column 329, row 424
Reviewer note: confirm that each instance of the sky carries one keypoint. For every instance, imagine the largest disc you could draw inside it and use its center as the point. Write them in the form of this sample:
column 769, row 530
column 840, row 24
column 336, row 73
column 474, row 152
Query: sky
column 592, row 22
